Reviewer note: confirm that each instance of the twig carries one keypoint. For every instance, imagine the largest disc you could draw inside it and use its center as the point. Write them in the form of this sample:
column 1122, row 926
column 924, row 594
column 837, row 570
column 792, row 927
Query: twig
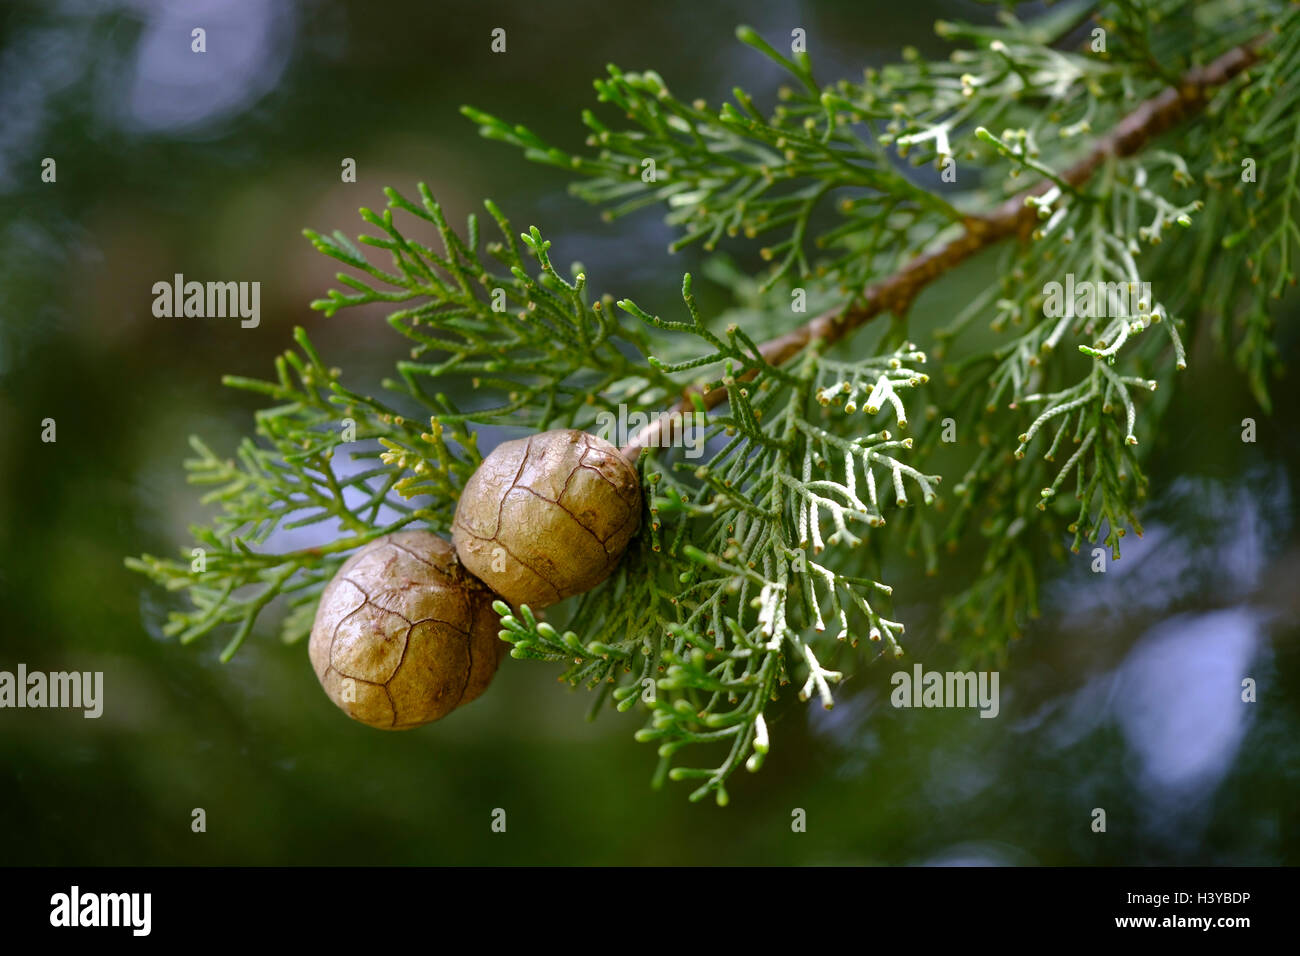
column 1013, row 217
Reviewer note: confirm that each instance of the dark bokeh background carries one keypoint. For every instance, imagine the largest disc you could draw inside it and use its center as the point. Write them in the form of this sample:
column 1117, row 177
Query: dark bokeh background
column 1126, row 696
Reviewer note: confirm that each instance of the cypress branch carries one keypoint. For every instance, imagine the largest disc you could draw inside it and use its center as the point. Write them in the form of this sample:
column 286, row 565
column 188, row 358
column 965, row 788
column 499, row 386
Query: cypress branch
column 1014, row 217
column 758, row 563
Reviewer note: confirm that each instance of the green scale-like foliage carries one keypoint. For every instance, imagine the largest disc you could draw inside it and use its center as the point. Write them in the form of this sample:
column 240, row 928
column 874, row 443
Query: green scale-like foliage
column 758, row 562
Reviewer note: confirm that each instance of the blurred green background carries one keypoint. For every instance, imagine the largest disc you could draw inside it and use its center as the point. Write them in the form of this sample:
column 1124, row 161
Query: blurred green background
column 1125, row 696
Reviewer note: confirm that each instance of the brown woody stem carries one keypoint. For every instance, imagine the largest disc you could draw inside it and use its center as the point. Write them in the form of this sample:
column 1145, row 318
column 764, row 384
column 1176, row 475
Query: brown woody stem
column 1013, row 217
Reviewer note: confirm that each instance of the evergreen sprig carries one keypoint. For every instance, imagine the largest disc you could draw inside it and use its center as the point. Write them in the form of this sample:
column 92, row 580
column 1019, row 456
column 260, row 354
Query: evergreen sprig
column 534, row 350
column 1148, row 150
